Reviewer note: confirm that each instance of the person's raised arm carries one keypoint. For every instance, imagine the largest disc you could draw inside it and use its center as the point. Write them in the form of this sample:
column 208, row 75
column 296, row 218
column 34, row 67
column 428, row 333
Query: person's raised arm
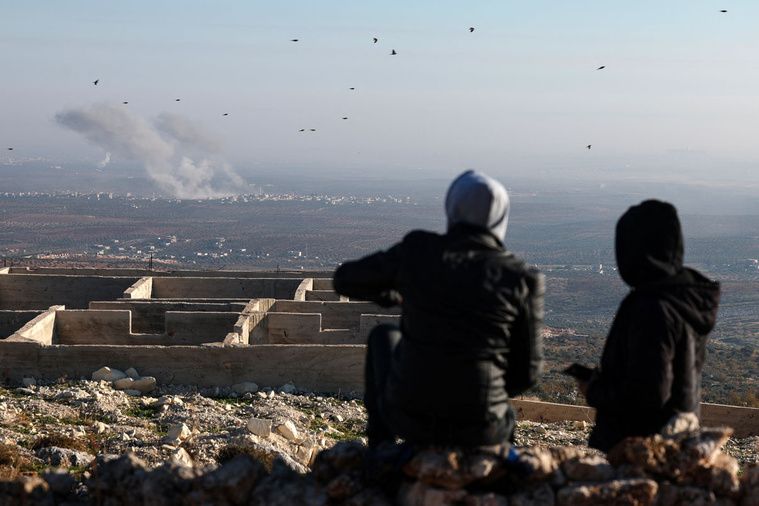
column 371, row 278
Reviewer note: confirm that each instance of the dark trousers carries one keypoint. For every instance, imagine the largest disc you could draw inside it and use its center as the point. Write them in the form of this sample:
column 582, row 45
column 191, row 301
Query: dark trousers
column 381, row 346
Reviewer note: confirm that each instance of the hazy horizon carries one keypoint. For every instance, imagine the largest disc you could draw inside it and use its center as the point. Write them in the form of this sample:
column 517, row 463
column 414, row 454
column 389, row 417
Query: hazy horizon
column 212, row 90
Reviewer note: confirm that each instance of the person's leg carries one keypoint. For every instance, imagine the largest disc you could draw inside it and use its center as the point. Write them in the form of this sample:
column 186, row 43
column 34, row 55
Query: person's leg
column 379, row 355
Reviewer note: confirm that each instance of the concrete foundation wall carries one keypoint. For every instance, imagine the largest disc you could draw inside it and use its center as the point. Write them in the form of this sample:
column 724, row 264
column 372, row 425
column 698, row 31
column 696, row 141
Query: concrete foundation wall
column 335, row 315
column 142, row 289
column 208, row 288
column 39, row 330
column 149, row 317
column 138, row 273
column 313, row 367
column 24, row 292
column 744, row 421
column 113, row 327
column 12, row 321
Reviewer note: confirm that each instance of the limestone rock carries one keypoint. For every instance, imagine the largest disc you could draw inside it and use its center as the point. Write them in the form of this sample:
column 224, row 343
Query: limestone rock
column 245, row 387
column 674, row 495
column 144, row 384
column 449, row 468
column 259, row 427
column 750, row 485
column 588, row 468
column 640, row 492
column 65, row 457
column 539, row 495
column 132, row 373
column 181, row 456
column 107, row 374
column 29, row 382
column 538, row 461
column 287, row 388
column 681, row 423
column 178, row 431
column 99, row 427
column 288, row 430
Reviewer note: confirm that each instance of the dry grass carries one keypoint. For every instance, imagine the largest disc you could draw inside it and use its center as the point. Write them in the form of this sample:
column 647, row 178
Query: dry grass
column 60, row 441
column 229, row 452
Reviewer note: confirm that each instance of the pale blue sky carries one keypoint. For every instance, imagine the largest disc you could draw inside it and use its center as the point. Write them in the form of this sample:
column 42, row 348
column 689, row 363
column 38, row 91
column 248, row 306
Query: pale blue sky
column 678, row 97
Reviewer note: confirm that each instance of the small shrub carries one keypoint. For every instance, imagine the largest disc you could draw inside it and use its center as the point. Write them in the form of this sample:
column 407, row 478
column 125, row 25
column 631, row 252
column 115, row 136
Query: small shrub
column 229, row 452
column 60, row 441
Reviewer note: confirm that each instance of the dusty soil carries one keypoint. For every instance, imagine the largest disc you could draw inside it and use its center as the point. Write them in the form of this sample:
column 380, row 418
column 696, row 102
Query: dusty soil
column 108, row 421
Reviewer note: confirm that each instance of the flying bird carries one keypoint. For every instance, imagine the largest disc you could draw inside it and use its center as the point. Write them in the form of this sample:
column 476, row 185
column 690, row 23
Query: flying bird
column 124, row 103
column 177, row 100
column 588, row 146
column 345, row 117
column 351, row 88
column 302, row 130
column 293, row 40
column 10, row 149
column 225, row 114
column 471, row 29
column 96, row 81
column 313, row 129
column 601, row 67
column 393, row 52
column 375, row 40
column 723, row 10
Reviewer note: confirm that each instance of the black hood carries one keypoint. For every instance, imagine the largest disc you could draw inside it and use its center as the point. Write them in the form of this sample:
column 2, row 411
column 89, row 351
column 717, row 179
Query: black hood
column 649, row 243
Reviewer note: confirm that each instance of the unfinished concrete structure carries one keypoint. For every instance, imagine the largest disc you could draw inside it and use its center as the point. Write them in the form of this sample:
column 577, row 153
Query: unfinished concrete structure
column 213, row 329
column 207, row 329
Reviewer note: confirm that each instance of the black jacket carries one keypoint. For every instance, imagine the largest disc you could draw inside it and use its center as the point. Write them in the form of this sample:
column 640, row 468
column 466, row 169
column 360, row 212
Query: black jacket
column 471, row 325
column 653, row 357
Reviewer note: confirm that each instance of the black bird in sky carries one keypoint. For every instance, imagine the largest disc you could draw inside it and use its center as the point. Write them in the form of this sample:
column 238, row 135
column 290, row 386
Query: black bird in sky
column 471, row 29
column 601, row 67
column 96, row 81
column 589, row 146
column 313, row 129
column 177, row 100
column 393, row 52
column 723, row 10
column 375, row 40
column 302, row 130
column 225, row 114
column 293, row 40
column 351, row 88
column 124, row 103
column 345, row 117
column 10, row 149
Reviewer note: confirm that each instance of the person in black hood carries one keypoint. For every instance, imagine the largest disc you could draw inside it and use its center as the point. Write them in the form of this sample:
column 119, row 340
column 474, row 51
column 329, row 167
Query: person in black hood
column 470, row 331
column 651, row 365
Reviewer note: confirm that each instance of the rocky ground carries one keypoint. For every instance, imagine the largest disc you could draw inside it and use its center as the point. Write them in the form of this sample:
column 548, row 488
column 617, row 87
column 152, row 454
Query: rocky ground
column 64, row 424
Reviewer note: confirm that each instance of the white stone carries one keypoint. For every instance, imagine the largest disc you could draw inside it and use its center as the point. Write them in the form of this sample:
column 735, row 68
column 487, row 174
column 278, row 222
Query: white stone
column 305, row 454
column 123, row 383
column 78, row 432
column 541, row 430
column 144, row 384
column 181, row 456
column 99, row 427
column 29, row 382
column 288, row 430
column 260, row 427
column 271, row 394
column 287, row 388
column 107, row 374
column 245, row 387
column 579, row 425
column 163, row 401
column 261, row 395
column 124, row 437
column 179, row 431
column 132, row 392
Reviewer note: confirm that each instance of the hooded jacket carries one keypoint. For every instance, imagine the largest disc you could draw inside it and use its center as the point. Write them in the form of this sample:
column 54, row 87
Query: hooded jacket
column 651, row 365
column 471, row 318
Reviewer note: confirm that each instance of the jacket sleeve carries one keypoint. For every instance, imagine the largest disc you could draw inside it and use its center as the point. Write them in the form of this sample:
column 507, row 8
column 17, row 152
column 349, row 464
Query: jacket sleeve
column 645, row 359
column 371, row 278
column 526, row 359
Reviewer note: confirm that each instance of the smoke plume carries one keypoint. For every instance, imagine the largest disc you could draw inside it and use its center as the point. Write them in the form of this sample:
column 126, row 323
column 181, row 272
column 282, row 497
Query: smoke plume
column 183, row 158
column 105, row 161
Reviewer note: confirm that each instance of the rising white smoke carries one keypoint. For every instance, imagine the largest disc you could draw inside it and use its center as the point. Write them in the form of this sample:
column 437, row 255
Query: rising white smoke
column 168, row 148
column 105, row 161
